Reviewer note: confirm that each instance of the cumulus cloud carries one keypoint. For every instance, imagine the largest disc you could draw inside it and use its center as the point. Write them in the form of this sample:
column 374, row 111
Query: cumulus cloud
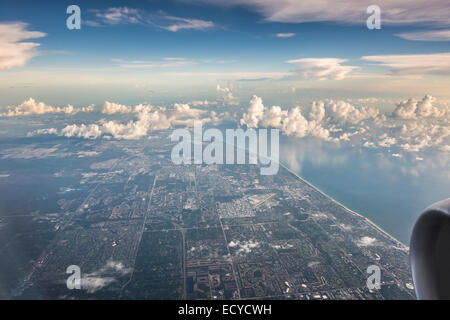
column 417, row 135
column 370, row 100
column 393, row 11
column 243, row 247
column 117, row 108
column 322, row 68
column 307, row 121
column 220, row 89
column 91, row 131
column 113, row 108
column 148, row 118
column 413, row 109
column 32, row 107
column 367, row 241
column 128, row 131
column 273, row 117
column 196, row 103
column 43, row 132
column 408, row 135
column 414, row 64
column 254, row 113
column 413, row 126
column 344, row 112
column 183, row 110
column 14, row 52
column 227, row 95
column 93, row 282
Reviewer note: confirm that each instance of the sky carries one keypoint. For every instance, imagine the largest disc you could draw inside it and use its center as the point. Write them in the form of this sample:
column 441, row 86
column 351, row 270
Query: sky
column 290, row 51
column 307, row 68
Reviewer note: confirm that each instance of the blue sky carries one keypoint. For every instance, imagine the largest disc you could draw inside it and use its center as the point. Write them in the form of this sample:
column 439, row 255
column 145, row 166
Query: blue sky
column 183, row 48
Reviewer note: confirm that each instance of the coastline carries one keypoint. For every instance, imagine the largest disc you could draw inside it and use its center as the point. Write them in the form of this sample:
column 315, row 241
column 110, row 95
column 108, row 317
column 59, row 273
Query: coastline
column 398, row 242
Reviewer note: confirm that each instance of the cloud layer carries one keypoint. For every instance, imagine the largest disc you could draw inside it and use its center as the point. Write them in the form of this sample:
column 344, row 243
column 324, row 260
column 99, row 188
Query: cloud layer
column 437, row 12
column 148, row 118
column 413, row 125
column 32, row 107
column 431, row 35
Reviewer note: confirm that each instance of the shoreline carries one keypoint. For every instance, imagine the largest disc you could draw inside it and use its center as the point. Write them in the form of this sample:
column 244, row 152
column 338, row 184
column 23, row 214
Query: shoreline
column 398, row 242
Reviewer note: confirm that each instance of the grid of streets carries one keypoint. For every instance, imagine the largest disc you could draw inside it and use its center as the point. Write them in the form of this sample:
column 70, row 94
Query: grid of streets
column 140, row 227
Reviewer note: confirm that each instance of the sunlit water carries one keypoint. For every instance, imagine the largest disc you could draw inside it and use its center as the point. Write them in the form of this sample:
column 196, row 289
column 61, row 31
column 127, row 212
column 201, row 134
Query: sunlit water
column 392, row 191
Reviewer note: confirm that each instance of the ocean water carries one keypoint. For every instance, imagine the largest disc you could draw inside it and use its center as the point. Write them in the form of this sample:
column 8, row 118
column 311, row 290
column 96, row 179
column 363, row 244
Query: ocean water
column 388, row 189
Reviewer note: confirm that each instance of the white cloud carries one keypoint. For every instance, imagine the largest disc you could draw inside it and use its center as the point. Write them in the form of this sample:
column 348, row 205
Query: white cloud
column 242, row 76
column 414, row 125
column 120, row 15
column 243, row 247
column 416, row 135
column 220, row 89
column 367, row 241
column 322, row 68
column 227, row 98
column 113, row 108
column 254, row 113
column 91, row 131
column 414, row 64
column 339, row 121
column 386, row 141
column 285, row 35
column 196, row 103
column 344, row 112
column 164, row 63
column 43, row 131
column 97, row 280
column 13, row 51
column 369, row 100
column 273, row 117
column 431, row 35
column 294, row 122
column 126, row 15
column 32, row 107
column 148, row 118
column 183, row 110
column 185, row 23
column 93, row 284
column 432, row 12
column 413, row 109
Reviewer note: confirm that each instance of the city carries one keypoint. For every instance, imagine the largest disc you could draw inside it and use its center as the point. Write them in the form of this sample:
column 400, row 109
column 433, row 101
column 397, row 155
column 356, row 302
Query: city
column 140, row 227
